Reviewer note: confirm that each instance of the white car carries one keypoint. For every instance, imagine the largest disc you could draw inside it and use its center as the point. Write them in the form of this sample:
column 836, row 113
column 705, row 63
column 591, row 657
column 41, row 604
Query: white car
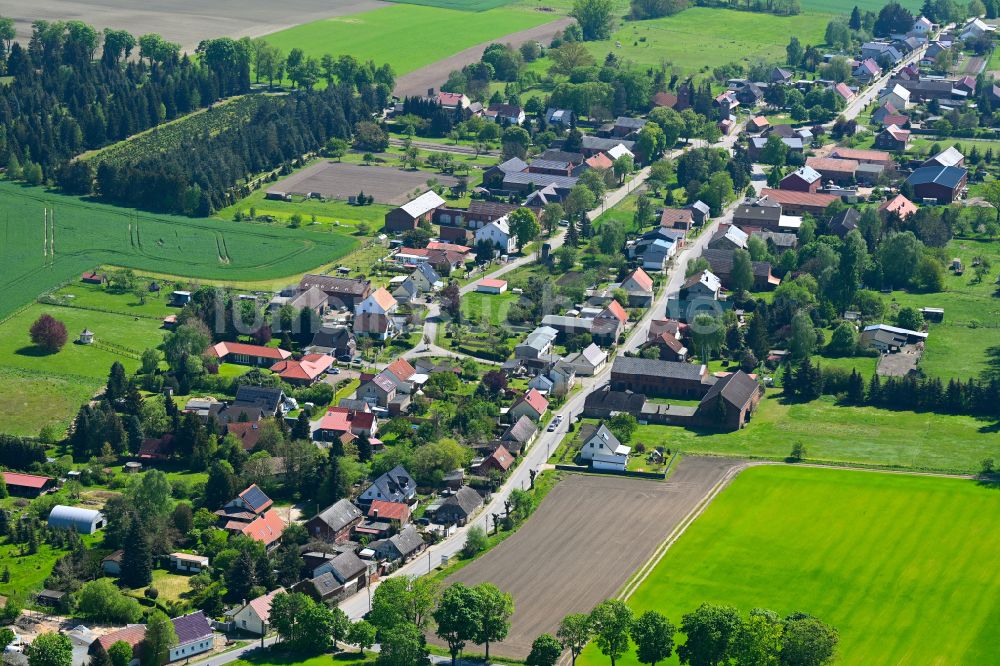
column 552, row 427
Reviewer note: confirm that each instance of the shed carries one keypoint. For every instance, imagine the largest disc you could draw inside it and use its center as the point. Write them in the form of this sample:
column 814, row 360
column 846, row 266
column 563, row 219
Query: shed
column 84, row 521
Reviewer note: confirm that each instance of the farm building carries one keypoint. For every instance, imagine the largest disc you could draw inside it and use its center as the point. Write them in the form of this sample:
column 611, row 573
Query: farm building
column 797, row 203
column 84, row 521
column 803, row 179
column 942, row 185
column 664, row 379
column 246, row 354
column 409, row 215
column 889, row 339
column 27, row 485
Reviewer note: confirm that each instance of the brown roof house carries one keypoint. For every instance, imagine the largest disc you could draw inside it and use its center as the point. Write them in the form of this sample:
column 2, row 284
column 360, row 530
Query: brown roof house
column 411, row 214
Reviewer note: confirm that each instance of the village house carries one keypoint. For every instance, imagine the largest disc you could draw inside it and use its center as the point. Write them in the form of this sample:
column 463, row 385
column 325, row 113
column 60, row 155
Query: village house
column 400, row 547
column 589, row 361
column 840, row 172
column 194, row 636
column 730, row 238
column 246, row 354
column 517, row 437
column 379, row 391
column 396, row 485
column 255, row 616
column 863, row 156
column 899, row 205
column 532, row 404
column 268, row 399
column 889, row 339
column 798, row 203
column 844, row 222
column 505, row 114
column 604, row 451
column 341, row 292
column 498, row 234
column 304, row 371
column 949, row 157
column 411, row 214
column 452, row 101
column 752, row 215
column 349, row 570
column 538, row 344
column 499, row 461
column 730, row 402
column 493, row 177
column 188, row 562
column 639, row 287
column 892, row 138
column 335, row 523
column 265, row 528
column 721, row 264
column 625, row 127
column 459, row 507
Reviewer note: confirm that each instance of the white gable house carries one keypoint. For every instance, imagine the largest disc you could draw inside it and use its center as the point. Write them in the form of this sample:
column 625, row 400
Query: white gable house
column 603, row 450
column 498, row 233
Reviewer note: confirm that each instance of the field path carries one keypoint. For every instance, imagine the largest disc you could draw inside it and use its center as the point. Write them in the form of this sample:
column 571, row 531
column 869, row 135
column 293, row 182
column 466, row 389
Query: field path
column 432, row 76
column 585, row 541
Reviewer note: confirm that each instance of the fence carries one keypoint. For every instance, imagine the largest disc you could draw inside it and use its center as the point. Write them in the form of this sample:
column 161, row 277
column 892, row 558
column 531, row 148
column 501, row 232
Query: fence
column 638, row 475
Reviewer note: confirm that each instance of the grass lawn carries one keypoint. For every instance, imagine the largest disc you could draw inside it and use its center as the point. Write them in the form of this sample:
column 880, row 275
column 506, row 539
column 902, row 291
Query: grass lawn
column 271, row 657
column 30, row 400
column 684, row 42
column 92, row 296
column 957, row 347
column 17, row 350
column 170, row 585
column 902, row 566
column 492, row 308
column 89, row 234
column 28, row 572
column 406, row 37
column 839, row 434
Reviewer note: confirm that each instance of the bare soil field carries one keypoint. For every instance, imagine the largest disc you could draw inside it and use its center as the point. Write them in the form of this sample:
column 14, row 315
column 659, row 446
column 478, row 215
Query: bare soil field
column 584, row 542
column 186, row 22
column 419, row 81
column 336, row 180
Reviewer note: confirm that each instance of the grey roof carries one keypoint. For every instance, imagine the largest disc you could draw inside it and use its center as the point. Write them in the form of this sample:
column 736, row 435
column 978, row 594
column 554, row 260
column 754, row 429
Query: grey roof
column 736, row 389
column 513, row 165
column 762, row 213
column 734, row 234
column 707, row 278
column 428, row 272
column 607, row 437
column 396, row 485
column 779, row 238
column 561, row 156
column 541, row 337
column 191, row 627
column 339, row 515
column 335, row 285
column 549, row 164
column 701, row 206
column 521, row 432
column 845, row 221
column 561, row 321
column 326, row 584
column 630, row 365
column 539, row 179
column 266, row 397
column 332, row 337
column 597, row 143
column 311, row 298
column 806, row 173
column 407, row 541
column 948, row 176
column 345, row 566
column 466, row 499
column 630, row 123
column 616, row 401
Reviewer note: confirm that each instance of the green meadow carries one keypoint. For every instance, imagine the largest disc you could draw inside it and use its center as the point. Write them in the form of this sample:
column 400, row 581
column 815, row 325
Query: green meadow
column 405, row 36
column 903, row 566
column 702, row 37
column 842, row 434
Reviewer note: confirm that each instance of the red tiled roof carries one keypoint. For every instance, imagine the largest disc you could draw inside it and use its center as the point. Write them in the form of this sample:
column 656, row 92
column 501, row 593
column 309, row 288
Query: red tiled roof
column 666, row 99
column 844, row 91
column 222, row 349
column 449, row 247
column 615, row 308
column 336, row 419
column 133, row 635
column 502, row 457
column 536, row 400
column 262, row 605
column 829, row 164
column 493, row 282
column 641, row 278
column 156, row 448
column 599, row 161
column 248, row 433
column 389, row 510
column 759, row 121
column 898, row 204
column 402, row 369
column 670, row 216
column 266, row 528
column 309, row 367
column 861, row 154
column 799, row 198
column 25, row 480
column 895, row 119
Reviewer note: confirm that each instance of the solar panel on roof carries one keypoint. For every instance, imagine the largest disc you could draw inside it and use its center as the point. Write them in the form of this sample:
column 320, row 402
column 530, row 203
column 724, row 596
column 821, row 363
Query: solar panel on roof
column 255, row 497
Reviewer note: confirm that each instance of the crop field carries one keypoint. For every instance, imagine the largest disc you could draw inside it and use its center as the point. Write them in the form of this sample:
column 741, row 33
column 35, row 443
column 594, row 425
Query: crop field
column 842, row 434
column 407, row 37
column 702, row 37
column 389, row 185
column 463, row 5
column 902, row 566
column 569, row 555
column 88, row 234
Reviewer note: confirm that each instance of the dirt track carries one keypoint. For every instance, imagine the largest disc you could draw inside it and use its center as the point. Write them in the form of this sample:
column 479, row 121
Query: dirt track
column 433, row 75
column 585, row 541
column 184, row 21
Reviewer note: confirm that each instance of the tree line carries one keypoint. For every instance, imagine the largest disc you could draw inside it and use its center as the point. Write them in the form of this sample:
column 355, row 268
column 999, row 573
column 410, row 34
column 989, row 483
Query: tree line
column 75, row 89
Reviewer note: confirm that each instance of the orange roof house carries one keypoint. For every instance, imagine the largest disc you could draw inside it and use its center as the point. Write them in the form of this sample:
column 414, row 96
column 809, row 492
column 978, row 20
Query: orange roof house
column 383, row 510
column 899, row 205
column 500, row 461
column 239, row 352
column 532, row 404
column 266, row 528
column 304, row 371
